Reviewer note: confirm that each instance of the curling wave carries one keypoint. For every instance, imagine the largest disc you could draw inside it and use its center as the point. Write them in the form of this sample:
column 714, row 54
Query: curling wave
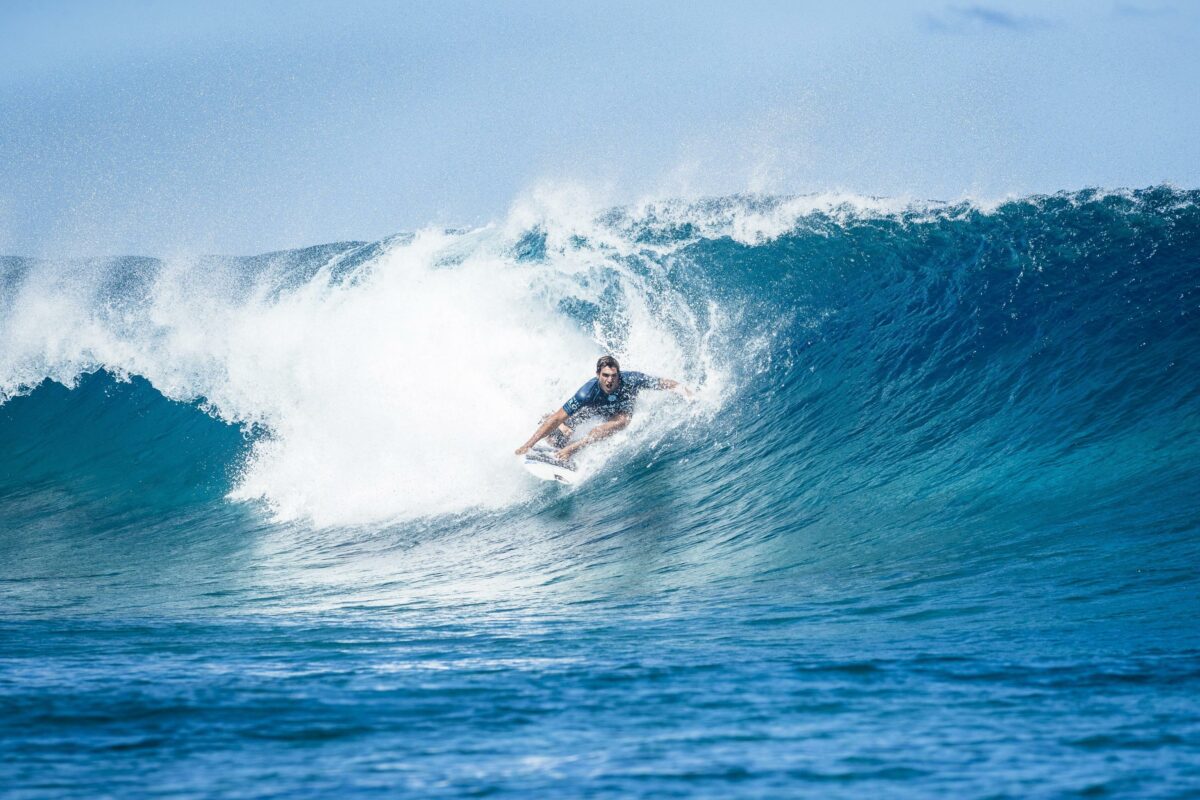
column 872, row 377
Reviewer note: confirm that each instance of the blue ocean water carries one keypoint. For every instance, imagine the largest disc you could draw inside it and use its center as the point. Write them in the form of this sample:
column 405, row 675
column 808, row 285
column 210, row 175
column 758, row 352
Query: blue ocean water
column 931, row 526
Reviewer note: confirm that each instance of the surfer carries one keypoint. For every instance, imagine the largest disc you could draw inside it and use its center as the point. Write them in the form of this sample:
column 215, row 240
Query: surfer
column 609, row 394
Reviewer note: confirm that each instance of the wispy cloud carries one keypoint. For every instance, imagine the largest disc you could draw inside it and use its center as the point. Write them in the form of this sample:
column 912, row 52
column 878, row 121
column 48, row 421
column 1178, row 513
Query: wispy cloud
column 980, row 18
column 1144, row 9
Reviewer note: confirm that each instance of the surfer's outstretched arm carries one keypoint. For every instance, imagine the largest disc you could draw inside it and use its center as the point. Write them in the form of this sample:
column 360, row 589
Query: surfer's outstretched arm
column 599, row 432
column 674, row 386
column 551, row 422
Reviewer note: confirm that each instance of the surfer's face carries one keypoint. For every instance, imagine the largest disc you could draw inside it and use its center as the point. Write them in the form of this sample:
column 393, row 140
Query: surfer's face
column 608, row 378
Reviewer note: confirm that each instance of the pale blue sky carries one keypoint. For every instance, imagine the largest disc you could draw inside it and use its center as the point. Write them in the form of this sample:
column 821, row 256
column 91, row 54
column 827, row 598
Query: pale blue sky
column 164, row 128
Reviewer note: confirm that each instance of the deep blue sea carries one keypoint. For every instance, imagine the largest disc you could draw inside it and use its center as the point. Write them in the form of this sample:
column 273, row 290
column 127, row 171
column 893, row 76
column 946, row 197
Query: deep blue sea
column 930, row 526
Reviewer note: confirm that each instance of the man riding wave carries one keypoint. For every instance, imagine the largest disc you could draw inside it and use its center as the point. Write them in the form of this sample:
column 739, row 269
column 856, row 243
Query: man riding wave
column 610, row 394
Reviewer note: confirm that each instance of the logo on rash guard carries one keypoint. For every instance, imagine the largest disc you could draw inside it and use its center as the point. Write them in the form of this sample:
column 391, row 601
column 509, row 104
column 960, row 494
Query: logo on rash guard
column 612, row 398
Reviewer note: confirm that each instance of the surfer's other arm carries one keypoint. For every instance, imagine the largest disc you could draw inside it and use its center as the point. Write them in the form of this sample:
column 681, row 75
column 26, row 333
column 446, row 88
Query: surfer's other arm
column 673, row 386
column 599, row 432
column 551, row 422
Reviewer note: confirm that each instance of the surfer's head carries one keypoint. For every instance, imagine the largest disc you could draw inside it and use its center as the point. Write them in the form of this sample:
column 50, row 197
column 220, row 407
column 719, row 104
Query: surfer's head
column 608, row 372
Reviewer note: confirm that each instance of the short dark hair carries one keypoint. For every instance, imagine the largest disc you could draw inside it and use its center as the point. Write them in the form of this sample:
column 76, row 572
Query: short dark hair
column 607, row 361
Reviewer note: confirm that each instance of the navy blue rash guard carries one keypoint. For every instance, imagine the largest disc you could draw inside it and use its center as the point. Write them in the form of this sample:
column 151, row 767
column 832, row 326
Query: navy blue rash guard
column 592, row 398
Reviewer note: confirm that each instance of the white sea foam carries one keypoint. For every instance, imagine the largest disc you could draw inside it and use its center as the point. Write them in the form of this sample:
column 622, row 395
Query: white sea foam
column 399, row 394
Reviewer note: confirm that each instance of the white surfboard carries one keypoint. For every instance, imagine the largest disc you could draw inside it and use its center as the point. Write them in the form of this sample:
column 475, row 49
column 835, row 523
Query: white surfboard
column 541, row 463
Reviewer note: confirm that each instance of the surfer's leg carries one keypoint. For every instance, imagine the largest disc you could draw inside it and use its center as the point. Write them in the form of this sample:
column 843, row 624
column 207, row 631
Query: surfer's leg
column 561, row 436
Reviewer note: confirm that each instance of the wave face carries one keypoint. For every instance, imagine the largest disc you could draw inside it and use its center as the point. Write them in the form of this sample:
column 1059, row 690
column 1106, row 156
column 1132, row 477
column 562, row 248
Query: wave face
column 939, row 455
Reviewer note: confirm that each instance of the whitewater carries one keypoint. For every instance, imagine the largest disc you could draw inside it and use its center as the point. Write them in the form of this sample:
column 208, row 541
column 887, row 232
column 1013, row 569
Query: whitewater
column 929, row 527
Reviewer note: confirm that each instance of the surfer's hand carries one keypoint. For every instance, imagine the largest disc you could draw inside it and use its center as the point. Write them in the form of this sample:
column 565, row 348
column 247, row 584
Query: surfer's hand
column 564, row 454
column 523, row 449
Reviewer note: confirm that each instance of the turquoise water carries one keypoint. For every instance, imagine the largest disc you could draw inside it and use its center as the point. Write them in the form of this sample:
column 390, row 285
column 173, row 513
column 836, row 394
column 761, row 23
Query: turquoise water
column 930, row 527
